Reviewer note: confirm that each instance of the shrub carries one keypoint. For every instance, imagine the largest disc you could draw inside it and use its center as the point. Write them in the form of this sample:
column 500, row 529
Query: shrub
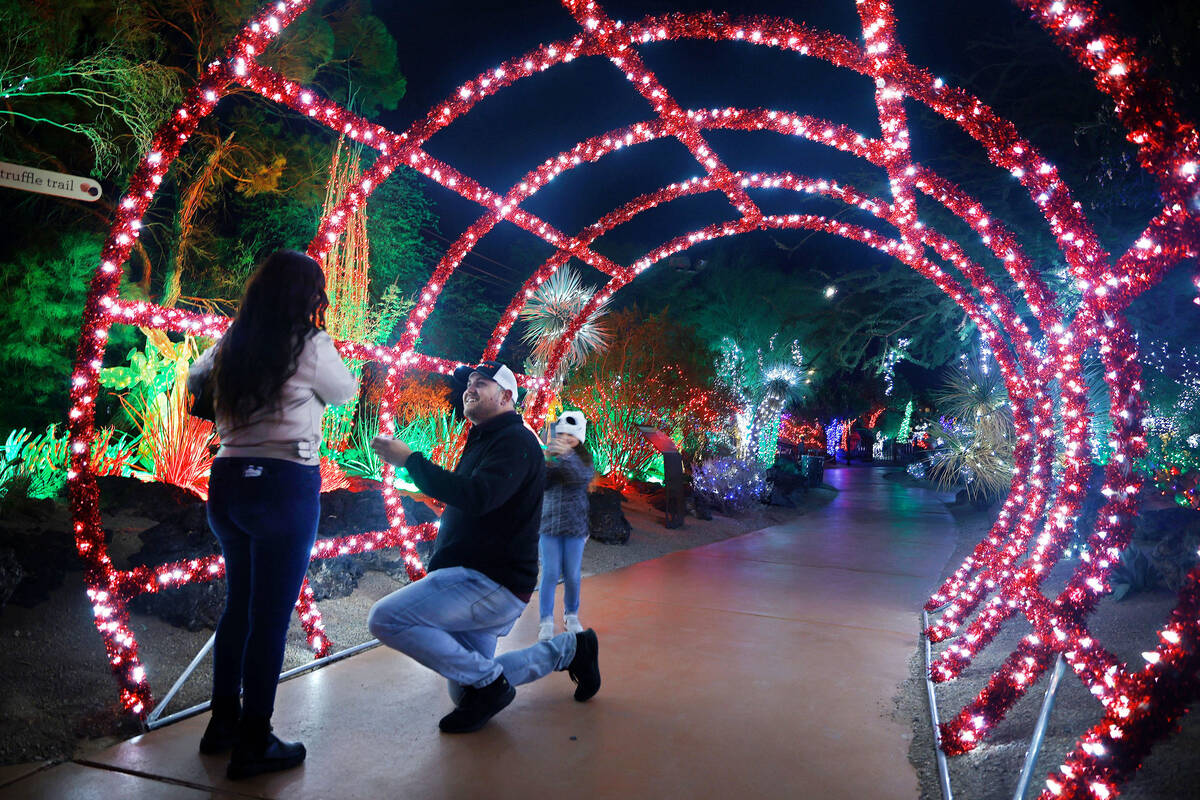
column 730, row 484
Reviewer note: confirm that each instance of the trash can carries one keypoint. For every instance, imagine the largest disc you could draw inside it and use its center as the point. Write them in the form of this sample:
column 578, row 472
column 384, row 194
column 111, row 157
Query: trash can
column 813, row 469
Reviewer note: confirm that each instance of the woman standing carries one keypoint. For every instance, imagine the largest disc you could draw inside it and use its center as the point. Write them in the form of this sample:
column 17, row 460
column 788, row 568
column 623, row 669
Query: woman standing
column 272, row 375
column 564, row 528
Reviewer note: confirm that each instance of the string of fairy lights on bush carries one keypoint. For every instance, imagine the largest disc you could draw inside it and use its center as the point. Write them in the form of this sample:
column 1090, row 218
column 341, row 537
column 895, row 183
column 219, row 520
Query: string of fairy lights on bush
column 1168, row 151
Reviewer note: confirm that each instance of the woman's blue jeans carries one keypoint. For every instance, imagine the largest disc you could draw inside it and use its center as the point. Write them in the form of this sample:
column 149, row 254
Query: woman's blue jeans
column 264, row 512
column 561, row 555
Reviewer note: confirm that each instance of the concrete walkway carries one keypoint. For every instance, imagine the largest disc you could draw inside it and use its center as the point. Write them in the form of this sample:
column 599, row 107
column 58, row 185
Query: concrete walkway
column 757, row 667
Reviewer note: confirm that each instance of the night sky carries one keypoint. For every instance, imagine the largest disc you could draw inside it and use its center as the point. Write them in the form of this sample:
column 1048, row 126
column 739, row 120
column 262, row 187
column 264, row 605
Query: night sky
column 441, row 45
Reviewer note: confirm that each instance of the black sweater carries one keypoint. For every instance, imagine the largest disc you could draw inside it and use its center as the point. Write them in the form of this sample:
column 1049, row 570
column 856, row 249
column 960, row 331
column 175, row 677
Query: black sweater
column 493, row 503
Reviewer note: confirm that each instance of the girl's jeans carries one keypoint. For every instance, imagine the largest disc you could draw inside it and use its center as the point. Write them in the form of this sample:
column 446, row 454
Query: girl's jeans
column 264, row 512
column 561, row 555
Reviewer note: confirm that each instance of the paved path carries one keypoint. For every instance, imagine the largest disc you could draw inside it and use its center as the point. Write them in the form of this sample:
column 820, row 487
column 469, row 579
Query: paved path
column 757, row 667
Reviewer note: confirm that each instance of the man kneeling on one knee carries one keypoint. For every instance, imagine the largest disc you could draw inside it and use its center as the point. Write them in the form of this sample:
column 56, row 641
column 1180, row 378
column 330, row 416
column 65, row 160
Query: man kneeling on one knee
column 484, row 565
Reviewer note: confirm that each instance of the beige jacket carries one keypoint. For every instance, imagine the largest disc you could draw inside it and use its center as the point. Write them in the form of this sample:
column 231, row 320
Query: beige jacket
column 291, row 428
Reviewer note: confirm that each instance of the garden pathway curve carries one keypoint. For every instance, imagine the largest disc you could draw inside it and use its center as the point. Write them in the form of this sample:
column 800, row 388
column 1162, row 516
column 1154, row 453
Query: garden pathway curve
column 762, row 666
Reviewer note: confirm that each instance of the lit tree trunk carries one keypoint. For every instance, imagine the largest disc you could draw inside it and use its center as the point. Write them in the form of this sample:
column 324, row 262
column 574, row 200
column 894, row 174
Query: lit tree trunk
column 764, row 430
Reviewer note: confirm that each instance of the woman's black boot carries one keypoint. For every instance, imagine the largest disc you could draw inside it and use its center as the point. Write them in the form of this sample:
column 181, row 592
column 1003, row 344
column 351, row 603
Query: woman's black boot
column 257, row 750
column 222, row 728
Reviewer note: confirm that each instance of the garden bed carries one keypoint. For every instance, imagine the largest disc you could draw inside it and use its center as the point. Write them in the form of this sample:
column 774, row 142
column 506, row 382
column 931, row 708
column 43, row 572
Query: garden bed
column 1126, row 627
column 61, row 700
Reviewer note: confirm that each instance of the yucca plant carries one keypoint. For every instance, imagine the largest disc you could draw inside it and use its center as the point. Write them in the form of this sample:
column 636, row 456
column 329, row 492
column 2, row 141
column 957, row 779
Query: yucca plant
column 548, row 314
column 976, row 449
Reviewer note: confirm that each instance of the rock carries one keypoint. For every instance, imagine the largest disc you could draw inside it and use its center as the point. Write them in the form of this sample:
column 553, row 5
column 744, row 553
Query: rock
column 345, row 513
column 700, row 508
column 194, row 606
column 335, row 577
column 11, row 574
column 145, row 499
column 606, row 521
column 779, row 497
column 182, row 535
column 43, row 556
column 1162, row 523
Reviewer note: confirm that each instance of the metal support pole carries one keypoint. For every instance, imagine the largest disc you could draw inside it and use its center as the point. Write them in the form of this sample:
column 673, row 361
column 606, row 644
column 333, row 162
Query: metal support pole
column 1039, row 731
column 943, row 767
column 182, row 679
column 152, row 723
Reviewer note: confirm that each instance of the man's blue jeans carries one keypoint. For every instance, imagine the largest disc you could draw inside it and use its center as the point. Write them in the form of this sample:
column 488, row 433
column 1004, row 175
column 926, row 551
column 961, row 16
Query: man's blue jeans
column 450, row 621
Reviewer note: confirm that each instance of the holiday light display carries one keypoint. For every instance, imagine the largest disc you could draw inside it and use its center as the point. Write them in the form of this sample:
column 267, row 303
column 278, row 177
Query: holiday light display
column 1140, row 705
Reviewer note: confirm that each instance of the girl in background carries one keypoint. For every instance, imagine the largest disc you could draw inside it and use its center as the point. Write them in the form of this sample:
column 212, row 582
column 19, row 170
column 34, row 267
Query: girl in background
column 564, row 528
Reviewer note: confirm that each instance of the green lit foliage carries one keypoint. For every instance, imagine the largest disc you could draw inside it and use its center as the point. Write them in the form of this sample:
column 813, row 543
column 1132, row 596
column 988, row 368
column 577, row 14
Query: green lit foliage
column 43, row 290
column 976, row 449
column 172, row 445
column 905, row 429
column 763, row 386
column 111, row 97
column 425, row 420
column 45, row 462
column 11, row 459
column 359, row 458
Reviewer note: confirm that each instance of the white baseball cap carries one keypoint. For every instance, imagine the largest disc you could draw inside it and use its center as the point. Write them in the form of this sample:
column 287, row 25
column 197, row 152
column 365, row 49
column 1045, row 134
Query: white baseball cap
column 489, row 369
column 572, row 422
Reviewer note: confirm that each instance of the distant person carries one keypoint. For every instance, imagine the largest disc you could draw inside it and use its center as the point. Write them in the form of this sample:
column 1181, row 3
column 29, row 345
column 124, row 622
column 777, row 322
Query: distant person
column 853, row 442
column 272, row 374
column 564, row 528
column 674, row 488
column 484, row 564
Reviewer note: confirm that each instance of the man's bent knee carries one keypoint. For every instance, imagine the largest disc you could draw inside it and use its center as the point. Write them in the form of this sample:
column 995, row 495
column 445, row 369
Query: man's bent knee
column 384, row 619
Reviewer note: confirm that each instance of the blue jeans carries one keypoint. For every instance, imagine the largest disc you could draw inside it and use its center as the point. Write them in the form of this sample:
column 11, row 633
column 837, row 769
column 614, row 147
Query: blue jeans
column 561, row 555
column 264, row 512
column 450, row 621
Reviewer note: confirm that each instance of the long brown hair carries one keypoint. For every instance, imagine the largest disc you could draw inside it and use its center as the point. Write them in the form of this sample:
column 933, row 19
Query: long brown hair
column 284, row 303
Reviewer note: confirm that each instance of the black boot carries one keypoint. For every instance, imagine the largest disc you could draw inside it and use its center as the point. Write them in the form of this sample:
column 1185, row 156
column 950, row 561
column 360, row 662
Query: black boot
column 222, row 728
column 256, row 750
column 584, row 668
column 477, row 706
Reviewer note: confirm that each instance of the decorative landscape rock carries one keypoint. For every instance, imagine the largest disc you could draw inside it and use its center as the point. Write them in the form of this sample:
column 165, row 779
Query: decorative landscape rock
column 606, row 522
column 10, row 574
column 183, row 534
column 132, row 496
column 41, row 555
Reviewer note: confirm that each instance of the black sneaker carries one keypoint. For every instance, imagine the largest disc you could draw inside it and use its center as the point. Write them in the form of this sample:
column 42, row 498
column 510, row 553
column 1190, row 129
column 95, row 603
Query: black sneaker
column 477, row 706
column 222, row 728
column 258, row 751
column 584, row 668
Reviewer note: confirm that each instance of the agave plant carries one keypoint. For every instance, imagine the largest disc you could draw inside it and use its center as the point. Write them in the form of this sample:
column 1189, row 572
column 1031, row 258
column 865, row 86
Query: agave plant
column 549, row 313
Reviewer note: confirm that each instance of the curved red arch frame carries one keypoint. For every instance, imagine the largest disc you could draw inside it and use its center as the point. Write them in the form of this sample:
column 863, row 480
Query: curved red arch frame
column 1170, row 155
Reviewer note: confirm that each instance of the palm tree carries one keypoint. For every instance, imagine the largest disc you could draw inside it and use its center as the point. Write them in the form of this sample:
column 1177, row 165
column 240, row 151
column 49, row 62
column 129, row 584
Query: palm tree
column 548, row 314
column 779, row 379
